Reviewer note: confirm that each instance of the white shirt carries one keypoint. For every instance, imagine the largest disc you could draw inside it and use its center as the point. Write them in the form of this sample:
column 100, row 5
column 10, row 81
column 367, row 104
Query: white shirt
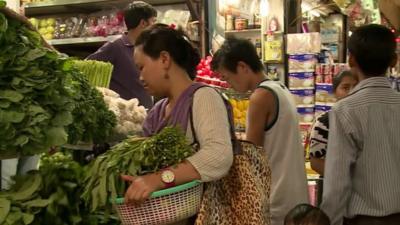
column 282, row 143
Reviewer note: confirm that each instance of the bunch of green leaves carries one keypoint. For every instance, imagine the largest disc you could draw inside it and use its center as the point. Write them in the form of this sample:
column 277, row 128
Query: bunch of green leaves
column 93, row 121
column 134, row 156
column 23, row 202
column 43, row 97
column 50, row 196
column 35, row 105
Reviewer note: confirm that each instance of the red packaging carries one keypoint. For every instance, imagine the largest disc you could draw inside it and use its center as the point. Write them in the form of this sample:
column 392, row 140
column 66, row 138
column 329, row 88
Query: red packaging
column 319, row 78
column 326, row 69
column 336, row 69
column 328, row 78
column 318, row 69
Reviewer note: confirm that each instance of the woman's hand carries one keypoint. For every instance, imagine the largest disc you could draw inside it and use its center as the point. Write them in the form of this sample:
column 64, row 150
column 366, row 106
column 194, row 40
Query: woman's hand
column 141, row 187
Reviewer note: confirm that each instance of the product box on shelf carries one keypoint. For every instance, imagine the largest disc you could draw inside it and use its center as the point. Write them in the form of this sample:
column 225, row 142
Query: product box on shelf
column 301, row 80
column 303, row 96
column 302, row 63
column 303, row 43
column 306, row 114
column 324, row 94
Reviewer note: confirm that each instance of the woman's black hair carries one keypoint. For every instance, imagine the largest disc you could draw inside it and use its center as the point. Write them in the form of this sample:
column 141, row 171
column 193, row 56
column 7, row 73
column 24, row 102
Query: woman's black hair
column 161, row 37
column 305, row 214
column 339, row 78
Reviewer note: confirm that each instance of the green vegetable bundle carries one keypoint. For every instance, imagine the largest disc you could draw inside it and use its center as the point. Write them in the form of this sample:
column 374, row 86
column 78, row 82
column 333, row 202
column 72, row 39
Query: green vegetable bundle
column 44, row 100
column 134, row 156
column 93, row 121
column 97, row 72
column 50, row 196
column 35, row 104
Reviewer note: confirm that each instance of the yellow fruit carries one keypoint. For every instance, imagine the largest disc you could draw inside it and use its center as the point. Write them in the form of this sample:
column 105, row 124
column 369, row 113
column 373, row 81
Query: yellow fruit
column 243, row 121
column 240, row 105
column 233, row 102
column 246, row 103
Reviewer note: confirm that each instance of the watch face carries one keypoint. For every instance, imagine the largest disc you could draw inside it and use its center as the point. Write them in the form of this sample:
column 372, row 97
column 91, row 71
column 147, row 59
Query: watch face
column 168, row 176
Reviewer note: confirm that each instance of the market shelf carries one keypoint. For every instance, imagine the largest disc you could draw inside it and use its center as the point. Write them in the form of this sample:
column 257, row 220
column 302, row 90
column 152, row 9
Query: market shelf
column 242, row 31
column 82, row 40
column 83, row 6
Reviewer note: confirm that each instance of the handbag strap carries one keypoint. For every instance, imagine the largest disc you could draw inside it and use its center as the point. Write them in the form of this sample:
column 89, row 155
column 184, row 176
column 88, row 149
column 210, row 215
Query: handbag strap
column 235, row 142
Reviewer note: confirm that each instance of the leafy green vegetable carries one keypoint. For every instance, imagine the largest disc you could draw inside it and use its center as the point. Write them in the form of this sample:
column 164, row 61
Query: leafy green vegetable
column 134, row 156
column 50, row 196
column 93, row 121
column 44, row 100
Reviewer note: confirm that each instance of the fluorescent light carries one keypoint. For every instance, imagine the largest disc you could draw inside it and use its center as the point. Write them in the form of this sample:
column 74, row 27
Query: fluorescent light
column 264, row 8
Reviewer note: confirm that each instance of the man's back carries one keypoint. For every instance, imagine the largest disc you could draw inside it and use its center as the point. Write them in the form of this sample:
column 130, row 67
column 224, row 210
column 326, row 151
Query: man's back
column 125, row 77
column 366, row 137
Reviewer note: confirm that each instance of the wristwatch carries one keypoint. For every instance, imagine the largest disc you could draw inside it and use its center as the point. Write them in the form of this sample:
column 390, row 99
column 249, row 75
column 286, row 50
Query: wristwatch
column 168, row 178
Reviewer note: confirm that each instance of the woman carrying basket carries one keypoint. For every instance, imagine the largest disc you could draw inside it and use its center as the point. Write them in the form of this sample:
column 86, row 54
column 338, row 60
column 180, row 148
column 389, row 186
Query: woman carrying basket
column 167, row 61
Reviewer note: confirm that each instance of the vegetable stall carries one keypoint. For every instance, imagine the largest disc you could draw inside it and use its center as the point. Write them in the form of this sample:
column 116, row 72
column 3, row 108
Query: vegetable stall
column 51, row 101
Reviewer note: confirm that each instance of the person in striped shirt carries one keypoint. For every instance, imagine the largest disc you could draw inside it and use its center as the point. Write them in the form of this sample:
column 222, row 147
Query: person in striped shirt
column 362, row 168
column 343, row 83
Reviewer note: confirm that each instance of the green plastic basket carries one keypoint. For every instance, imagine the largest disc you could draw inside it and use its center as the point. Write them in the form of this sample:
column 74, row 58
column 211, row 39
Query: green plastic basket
column 164, row 207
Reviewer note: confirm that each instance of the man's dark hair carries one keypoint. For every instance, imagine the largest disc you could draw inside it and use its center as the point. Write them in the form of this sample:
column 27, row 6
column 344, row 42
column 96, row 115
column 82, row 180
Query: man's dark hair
column 305, row 214
column 137, row 11
column 233, row 51
column 373, row 47
column 161, row 37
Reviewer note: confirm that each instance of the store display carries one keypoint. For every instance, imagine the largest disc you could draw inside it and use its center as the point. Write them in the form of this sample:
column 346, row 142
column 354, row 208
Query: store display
column 324, row 94
column 207, row 76
column 273, row 48
column 306, row 114
column 302, row 63
column 240, row 105
column 326, row 72
column 104, row 23
column 130, row 115
column 272, row 72
column 98, row 73
column 303, row 97
column 304, row 43
column 133, row 156
column 301, row 80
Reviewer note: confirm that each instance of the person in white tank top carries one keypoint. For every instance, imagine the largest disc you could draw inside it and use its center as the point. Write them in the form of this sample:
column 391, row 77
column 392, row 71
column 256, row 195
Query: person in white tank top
column 272, row 122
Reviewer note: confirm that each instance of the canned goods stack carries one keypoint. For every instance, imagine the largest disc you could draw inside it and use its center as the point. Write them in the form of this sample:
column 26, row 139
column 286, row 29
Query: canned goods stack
column 324, row 73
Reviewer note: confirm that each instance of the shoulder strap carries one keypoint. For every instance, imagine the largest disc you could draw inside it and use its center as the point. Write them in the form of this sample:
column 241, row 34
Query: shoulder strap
column 235, row 141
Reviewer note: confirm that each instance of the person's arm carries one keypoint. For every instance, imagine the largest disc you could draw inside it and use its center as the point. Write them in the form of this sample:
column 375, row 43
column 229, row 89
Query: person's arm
column 262, row 107
column 104, row 53
column 212, row 161
column 319, row 143
column 341, row 155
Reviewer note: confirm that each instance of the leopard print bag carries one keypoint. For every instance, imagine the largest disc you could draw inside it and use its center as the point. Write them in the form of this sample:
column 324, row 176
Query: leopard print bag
column 242, row 197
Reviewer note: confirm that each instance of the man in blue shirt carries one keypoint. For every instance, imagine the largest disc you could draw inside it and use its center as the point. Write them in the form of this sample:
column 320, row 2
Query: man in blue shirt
column 125, row 77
